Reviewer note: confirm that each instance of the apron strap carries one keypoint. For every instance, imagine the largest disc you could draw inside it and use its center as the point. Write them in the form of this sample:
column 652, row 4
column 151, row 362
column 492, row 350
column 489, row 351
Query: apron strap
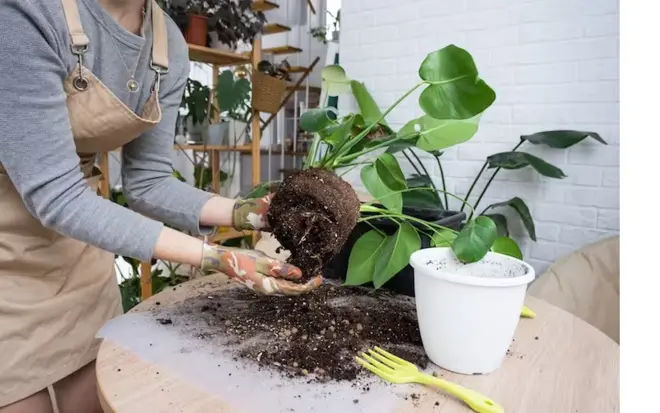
column 159, row 49
column 79, row 40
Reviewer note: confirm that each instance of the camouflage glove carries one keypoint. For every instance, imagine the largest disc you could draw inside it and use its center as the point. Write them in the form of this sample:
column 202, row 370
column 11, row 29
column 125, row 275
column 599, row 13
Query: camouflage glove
column 250, row 214
column 256, row 270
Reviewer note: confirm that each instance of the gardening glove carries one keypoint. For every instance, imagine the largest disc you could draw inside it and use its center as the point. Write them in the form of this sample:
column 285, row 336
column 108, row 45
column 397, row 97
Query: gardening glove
column 250, row 214
column 257, row 271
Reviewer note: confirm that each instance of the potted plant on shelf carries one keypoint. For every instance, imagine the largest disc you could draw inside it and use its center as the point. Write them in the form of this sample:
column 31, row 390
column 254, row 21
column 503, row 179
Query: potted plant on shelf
column 234, row 23
column 197, row 104
column 197, row 27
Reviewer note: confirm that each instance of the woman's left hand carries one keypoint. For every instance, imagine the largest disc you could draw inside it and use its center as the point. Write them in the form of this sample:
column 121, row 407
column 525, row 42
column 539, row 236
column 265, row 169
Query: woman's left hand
column 251, row 214
column 257, row 271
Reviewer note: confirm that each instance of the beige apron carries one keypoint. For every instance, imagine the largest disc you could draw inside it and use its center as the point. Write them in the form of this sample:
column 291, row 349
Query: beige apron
column 57, row 292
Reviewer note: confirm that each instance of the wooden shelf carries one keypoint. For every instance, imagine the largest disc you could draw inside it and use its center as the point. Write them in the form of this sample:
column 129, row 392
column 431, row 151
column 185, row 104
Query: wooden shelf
column 221, row 148
column 287, row 152
column 264, row 5
column 276, row 28
column 279, row 50
column 215, row 56
column 296, row 69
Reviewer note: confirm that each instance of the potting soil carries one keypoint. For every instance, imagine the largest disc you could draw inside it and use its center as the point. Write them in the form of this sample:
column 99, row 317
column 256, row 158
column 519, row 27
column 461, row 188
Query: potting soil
column 316, row 335
column 311, row 215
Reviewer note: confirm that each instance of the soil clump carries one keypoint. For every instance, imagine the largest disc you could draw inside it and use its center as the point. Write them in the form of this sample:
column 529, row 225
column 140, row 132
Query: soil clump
column 311, row 215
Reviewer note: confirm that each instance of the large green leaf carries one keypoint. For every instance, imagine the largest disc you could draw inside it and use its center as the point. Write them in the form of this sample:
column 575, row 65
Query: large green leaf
column 475, row 239
column 443, row 238
column 561, row 139
column 517, row 160
column 507, row 246
column 426, row 198
column 396, row 253
column 390, row 172
column 334, row 81
column 362, row 261
column 436, row 134
column 315, row 120
column 502, row 225
column 382, row 193
column 368, row 107
column 455, row 90
column 521, row 208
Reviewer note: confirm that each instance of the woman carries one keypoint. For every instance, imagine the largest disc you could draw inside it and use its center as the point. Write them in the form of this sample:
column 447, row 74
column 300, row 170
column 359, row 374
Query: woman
column 79, row 77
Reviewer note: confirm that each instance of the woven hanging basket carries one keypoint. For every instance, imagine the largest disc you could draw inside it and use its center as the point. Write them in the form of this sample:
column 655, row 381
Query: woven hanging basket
column 267, row 92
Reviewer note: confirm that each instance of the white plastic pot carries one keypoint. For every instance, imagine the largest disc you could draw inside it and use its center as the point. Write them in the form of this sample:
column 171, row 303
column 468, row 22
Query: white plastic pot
column 468, row 313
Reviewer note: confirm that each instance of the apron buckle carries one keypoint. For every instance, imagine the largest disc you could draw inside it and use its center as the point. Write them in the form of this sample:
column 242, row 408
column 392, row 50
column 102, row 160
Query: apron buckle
column 160, row 71
column 80, row 83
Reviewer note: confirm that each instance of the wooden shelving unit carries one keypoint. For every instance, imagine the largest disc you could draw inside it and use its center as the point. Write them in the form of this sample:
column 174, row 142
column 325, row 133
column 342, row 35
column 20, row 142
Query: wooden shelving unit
column 276, row 28
column 216, row 57
column 279, row 50
column 264, row 5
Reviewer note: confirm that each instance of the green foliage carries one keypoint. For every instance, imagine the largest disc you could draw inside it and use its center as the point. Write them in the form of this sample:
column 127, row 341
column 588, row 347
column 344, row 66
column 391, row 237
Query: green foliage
column 363, row 258
column 196, row 101
column 507, row 246
column 475, row 240
column 517, row 160
column 233, row 96
column 518, row 205
column 453, row 97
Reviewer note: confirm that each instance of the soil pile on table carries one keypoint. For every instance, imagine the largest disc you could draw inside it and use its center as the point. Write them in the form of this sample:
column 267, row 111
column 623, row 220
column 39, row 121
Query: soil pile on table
column 311, row 215
column 316, row 335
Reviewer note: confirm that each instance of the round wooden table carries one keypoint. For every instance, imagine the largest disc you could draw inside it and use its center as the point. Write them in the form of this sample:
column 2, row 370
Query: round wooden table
column 558, row 364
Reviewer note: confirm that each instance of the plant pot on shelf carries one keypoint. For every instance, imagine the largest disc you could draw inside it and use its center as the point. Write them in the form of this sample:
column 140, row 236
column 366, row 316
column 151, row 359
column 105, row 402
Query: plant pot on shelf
column 217, row 134
column 468, row 313
column 197, row 29
column 195, row 132
column 267, row 92
column 403, row 282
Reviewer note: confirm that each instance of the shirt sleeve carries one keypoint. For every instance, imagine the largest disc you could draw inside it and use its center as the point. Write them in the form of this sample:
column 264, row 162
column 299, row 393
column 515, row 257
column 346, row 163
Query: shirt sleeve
column 37, row 148
column 147, row 180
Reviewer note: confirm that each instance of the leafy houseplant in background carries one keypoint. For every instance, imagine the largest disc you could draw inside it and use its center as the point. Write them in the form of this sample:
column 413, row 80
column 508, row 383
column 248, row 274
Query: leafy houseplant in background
column 269, row 85
column 234, row 22
column 197, row 103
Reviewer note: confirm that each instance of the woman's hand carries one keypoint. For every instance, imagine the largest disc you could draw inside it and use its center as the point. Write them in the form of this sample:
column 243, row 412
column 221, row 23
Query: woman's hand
column 257, row 271
column 251, row 214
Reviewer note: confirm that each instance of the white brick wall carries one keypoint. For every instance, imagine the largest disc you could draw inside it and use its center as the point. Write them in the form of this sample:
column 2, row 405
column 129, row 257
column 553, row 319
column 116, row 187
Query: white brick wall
column 553, row 63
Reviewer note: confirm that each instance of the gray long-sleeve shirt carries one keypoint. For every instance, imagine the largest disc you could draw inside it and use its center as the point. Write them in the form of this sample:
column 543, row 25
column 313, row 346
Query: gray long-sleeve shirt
column 36, row 144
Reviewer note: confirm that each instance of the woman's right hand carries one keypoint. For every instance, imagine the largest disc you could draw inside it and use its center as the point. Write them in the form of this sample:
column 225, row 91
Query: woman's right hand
column 257, row 271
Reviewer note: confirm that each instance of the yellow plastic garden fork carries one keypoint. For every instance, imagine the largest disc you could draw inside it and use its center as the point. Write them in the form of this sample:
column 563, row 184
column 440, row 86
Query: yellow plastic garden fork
column 396, row 370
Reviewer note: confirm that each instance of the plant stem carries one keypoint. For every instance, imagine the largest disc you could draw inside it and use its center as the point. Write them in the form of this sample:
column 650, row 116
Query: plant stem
column 412, row 163
column 366, row 131
column 469, row 192
column 483, row 192
column 402, row 217
column 429, row 176
column 442, row 176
